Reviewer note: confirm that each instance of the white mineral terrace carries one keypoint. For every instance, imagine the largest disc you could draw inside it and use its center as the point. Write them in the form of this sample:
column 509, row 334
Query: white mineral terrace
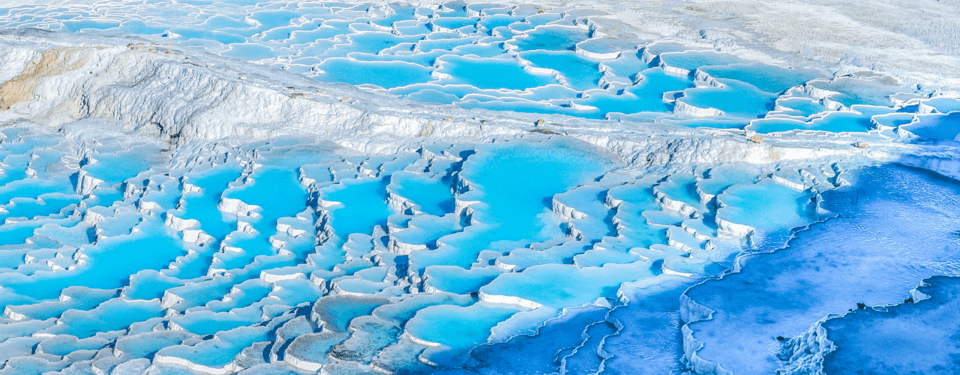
column 601, row 187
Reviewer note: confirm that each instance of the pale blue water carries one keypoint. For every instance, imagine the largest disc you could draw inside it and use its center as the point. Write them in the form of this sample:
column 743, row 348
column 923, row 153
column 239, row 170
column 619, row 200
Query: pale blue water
column 617, row 249
column 336, row 313
column 278, row 194
column 764, row 77
column 750, row 102
column 446, row 44
column 720, row 178
column 836, row 122
column 457, row 280
column 563, row 286
column 633, row 215
column 203, row 207
column 109, row 266
column 433, row 195
column 370, row 44
column 458, row 328
column 865, row 337
column 49, row 204
column 150, row 284
column 854, row 91
column 214, row 323
column 646, row 96
column 943, row 105
column 380, row 73
column 109, row 316
column 682, row 188
column 692, row 60
column 589, row 201
column 74, row 26
column 552, row 39
column 784, row 207
column 536, row 354
column 495, row 21
column 491, row 74
column 801, row 106
column 776, row 124
column 512, row 204
column 456, row 23
column 608, row 273
column 936, row 127
column 580, row 73
column 870, row 253
column 363, row 207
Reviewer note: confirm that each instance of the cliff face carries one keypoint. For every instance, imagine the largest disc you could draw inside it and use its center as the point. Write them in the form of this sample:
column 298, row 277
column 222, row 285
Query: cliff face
column 178, row 96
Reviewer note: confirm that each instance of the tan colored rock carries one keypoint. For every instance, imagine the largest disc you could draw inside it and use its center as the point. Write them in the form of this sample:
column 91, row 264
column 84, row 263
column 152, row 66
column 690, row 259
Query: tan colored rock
column 51, row 62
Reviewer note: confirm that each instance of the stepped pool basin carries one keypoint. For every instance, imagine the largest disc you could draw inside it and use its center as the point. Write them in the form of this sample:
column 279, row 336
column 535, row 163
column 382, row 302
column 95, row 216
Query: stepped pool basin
column 208, row 187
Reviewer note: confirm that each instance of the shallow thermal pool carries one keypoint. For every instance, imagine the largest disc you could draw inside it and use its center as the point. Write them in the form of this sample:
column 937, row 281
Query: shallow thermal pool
column 622, row 242
column 517, row 58
column 436, row 244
